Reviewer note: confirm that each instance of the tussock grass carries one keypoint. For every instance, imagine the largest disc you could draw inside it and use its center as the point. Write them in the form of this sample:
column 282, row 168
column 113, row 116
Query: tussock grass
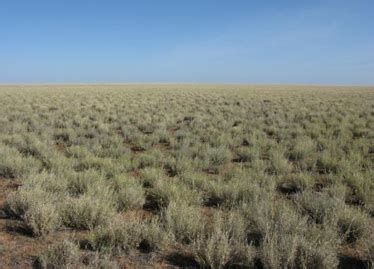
column 60, row 255
column 236, row 176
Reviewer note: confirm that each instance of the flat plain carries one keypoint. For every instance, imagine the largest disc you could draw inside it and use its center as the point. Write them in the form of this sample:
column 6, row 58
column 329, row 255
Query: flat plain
column 185, row 175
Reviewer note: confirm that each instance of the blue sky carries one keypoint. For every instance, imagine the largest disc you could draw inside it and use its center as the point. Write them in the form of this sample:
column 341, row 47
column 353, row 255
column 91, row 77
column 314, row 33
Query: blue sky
column 311, row 41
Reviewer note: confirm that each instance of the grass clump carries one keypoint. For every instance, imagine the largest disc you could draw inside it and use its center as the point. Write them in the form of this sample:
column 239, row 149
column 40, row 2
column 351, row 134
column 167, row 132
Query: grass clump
column 302, row 148
column 14, row 165
column 79, row 183
column 60, row 255
column 150, row 176
column 128, row 193
column 183, row 222
column 223, row 244
column 215, row 157
column 294, row 183
column 290, row 242
column 352, row 225
column 87, row 211
column 41, row 219
column 125, row 235
column 19, row 202
column 165, row 192
column 320, row 207
column 118, row 236
column 246, row 154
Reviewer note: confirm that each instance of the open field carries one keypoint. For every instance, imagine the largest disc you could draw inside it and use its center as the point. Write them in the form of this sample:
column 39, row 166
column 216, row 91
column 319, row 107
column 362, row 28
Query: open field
column 211, row 176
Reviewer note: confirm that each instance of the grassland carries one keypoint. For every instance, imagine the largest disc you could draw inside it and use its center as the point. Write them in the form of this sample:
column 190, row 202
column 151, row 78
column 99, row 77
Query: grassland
column 210, row 176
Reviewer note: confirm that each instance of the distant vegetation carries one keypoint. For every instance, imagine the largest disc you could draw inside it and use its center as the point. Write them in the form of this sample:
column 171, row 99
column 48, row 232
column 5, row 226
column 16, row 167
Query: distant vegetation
column 212, row 176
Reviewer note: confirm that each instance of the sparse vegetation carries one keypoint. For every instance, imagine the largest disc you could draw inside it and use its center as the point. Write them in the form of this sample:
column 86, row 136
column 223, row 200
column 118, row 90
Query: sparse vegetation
column 224, row 176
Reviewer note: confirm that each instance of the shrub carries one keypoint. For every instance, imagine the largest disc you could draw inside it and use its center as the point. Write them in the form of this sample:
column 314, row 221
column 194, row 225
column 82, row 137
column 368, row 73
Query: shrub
column 14, row 165
column 87, row 211
column 60, row 255
column 216, row 157
column 151, row 158
column 212, row 251
column 80, row 182
column 278, row 164
column 153, row 237
column 124, row 235
column 150, row 176
column 223, row 245
column 163, row 137
column 118, row 236
column 167, row 191
column 352, row 224
column 302, row 148
column 247, row 154
column 294, row 183
column 195, row 180
column 182, row 221
column 51, row 183
column 19, row 202
column 327, row 164
column 178, row 166
column 107, row 166
column 233, row 193
column 320, row 207
column 157, row 199
column 41, row 218
column 129, row 193
column 281, row 228
column 142, row 142
column 317, row 249
column 64, row 136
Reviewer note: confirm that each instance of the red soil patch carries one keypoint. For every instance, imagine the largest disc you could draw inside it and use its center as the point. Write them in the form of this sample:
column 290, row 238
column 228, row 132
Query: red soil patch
column 60, row 147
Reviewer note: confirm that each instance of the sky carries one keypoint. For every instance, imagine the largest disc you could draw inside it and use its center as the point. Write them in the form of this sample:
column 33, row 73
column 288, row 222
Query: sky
column 212, row 41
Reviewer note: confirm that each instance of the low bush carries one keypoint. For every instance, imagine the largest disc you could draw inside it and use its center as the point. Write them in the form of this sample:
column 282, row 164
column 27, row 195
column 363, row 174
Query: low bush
column 223, row 245
column 278, row 164
column 183, row 222
column 87, row 211
column 128, row 192
column 19, row 202
column 352, row 224
column 294, row 183
column 79, row 183
column 320, row 207
column 178, row 166
column 247, row 154
column 124, row 235
column 118, row 236
column 42, row 218
column 216, row 157
column 165, row 192
column 150, row 176
column 61, row 255
column 302, row 148
column 14, row 165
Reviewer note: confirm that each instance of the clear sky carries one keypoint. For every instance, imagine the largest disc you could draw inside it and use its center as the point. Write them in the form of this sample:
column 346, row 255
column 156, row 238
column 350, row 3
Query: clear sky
column 299, row 41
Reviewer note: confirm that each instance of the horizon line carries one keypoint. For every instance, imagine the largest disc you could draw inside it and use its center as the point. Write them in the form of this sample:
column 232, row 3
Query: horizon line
column 183, row 83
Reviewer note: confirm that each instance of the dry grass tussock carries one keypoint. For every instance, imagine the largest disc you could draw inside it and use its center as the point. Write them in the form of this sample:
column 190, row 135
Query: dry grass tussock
column 220, row 176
